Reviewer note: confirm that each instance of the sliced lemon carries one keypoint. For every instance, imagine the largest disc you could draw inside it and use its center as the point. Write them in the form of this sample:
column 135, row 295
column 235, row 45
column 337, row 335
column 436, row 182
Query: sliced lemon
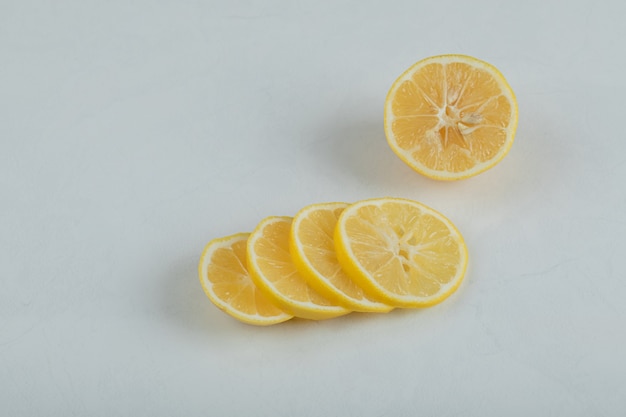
column 225, row 279
column 451, row 117
column 313, row 252
column 400, row 251
column 274, row 272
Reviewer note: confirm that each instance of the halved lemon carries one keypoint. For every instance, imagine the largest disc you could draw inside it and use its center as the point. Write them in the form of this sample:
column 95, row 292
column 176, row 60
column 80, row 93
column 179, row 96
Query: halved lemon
column 225, row 279
column 451, row 117
column 274, row 272
column 313, row 252
column 400, row 252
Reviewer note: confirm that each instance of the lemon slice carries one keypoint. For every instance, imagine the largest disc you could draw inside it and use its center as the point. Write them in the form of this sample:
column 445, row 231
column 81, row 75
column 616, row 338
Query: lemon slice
column 226, row 281
column 313, row 252
column 400, row 251
column 274, row 272
column 451, row 117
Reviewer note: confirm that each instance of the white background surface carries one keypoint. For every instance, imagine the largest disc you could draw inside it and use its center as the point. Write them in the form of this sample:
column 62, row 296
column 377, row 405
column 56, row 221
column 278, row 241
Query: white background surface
column 132, row 133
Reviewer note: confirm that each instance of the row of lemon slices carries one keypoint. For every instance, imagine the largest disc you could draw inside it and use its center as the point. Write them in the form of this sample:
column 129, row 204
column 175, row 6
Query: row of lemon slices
column 334, row 258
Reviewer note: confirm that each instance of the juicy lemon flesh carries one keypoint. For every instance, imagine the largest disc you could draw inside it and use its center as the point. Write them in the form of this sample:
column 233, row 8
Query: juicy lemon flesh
column 313, row 250
column 407, row 256
column 275, row 273
column 226, row 281
column 451, row 117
